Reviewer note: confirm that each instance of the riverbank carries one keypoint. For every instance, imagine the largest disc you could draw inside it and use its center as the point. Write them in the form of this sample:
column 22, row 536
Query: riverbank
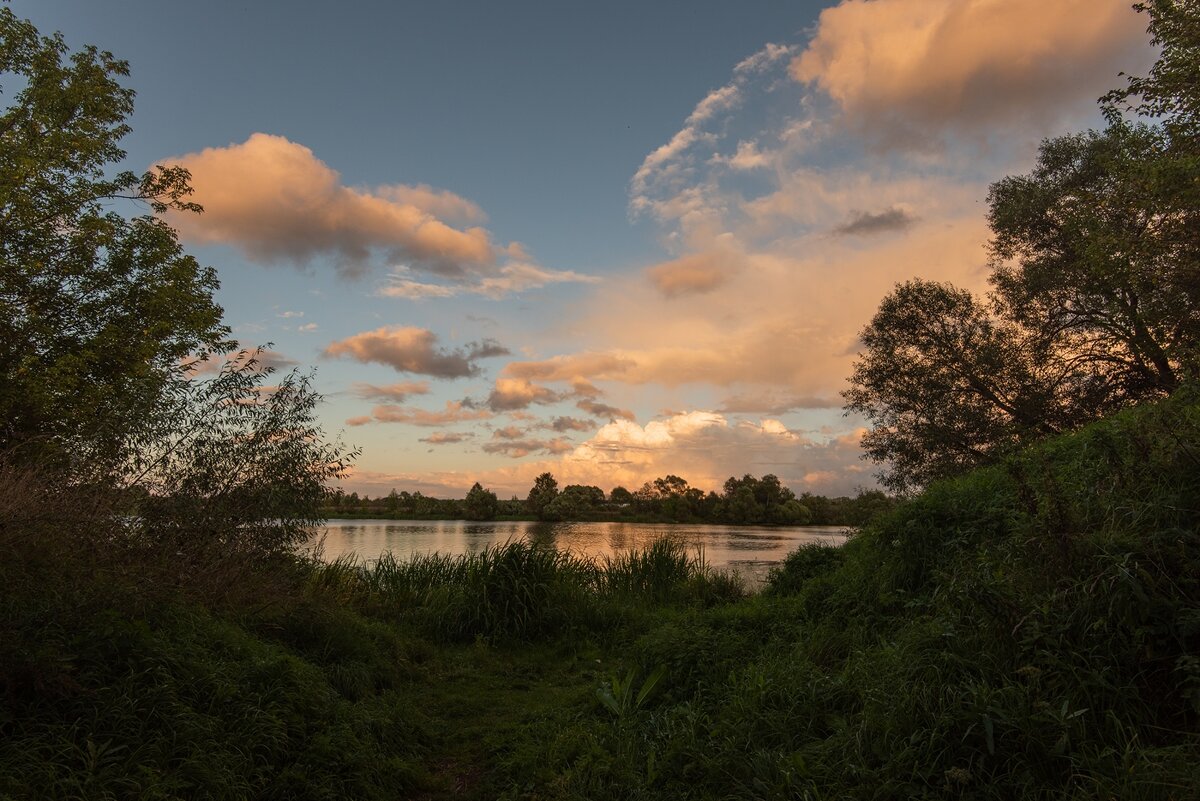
column 1025, row 631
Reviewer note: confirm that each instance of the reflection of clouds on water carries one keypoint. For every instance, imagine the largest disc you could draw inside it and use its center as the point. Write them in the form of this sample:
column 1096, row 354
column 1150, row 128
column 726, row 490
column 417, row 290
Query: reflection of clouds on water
column 749, row 551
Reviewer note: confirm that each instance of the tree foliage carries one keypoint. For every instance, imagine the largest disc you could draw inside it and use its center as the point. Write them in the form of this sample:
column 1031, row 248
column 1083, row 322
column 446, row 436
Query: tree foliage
column 104, row 318
column 480, row 504
column 230, row 463
column 1095, row 290
column 96, row 309
column 543, row 492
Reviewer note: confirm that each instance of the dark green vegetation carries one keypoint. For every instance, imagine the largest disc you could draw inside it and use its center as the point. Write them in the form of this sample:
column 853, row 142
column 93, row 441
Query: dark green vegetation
column 742, row 501
column 1026, row 630
column 1029, row 630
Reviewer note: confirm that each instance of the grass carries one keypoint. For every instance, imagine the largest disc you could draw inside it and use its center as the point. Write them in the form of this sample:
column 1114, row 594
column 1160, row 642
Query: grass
column 1027, row 631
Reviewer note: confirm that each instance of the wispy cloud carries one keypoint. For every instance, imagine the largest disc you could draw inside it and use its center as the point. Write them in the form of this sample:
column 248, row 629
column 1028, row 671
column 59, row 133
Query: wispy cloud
column 391, row 393
column 447, row 437
column 657, row 166
column 454, row 412
column 510, row 279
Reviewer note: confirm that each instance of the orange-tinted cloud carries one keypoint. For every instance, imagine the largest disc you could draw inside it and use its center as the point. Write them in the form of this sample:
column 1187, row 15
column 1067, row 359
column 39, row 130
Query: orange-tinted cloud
column 392, row 393
column 510, row 394
column 564, row 424
column 277, row 202
column 414, row 350
column 900, row 69
column 454, row 412
column 691, row 274
column 703, row 447
column 447, row 437
column 516, row 448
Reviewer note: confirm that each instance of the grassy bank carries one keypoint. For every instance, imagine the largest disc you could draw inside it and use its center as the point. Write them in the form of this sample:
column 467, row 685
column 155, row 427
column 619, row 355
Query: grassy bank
column 1027, row 631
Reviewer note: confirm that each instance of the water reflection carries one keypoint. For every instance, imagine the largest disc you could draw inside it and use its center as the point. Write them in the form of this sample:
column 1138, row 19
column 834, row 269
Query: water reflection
column 749, row 550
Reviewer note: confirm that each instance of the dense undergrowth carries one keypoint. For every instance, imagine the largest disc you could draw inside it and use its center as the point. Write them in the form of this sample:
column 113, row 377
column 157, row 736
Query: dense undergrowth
column 1030, row 630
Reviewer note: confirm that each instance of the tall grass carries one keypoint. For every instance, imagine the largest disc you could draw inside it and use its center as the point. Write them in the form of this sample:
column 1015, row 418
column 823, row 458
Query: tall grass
column 520, row 590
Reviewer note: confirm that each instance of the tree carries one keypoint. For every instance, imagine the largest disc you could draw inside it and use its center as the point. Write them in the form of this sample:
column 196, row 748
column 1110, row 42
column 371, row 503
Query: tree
column 947, row 386
column 1090, row 251
column 544, row 490
column 228, row 466
column 480, row 504
column 620, row 496
column 1171, row 90
column 96, row 309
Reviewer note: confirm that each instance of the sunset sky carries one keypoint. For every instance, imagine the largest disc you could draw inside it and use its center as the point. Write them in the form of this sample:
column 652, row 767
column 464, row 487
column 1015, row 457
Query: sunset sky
column 611, row 240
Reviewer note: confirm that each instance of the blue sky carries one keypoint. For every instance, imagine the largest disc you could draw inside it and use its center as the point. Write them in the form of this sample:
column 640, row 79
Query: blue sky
column 610, row 240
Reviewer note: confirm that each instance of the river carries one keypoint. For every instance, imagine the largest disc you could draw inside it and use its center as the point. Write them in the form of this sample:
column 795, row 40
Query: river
column 747, row 550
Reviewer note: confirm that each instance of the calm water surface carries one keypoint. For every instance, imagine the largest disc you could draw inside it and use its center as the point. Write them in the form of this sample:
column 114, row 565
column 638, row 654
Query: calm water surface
column 749, row 550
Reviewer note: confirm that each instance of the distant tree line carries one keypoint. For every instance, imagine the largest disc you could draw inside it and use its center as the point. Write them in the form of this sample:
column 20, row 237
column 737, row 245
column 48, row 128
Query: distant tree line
column 742, row 501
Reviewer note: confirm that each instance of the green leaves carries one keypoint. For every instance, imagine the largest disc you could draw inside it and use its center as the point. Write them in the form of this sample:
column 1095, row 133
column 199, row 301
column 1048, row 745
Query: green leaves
column 96, row 308
column 619, row 697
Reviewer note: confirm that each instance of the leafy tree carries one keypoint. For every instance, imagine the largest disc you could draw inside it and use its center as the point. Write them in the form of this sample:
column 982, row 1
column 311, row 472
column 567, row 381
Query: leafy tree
column 544, row 490
column 620, row 496
column 1089, row 253
column 573, row 502
column 946, row 384
column 96, row 309
column 1171, row 90
column 230, row 465
column 480, row 504
column 742, row 507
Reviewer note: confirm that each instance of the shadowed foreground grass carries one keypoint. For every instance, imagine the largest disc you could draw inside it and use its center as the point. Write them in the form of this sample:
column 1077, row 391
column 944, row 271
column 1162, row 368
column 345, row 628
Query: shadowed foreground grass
column 1030, row 630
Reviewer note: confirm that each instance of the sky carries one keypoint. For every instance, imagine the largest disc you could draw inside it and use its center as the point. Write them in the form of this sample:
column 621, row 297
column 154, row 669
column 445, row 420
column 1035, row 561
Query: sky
column 607, row 240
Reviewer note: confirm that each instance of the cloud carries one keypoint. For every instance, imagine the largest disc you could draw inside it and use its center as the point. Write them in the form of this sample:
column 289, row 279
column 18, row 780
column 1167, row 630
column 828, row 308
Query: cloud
column 517, row 448
column 277, row 202
column 564, row 424
column 694, row 273
column 447, row 438
column 603, row 410
column 408, row 289
column 746, row 157
column 904, row 69
column 656, row 166
column 511, row 278
column 518, row 393
column 438, row 202
column 414, row 350
column 454, row 412
column 308, row 328
column 863, row 223
column 392, row 393
column 508, row 432
column 775, row 403
column 703, row 447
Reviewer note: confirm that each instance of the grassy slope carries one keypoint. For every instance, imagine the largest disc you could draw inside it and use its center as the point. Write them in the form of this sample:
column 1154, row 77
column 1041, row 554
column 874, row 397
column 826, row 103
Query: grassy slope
column 1027, row 631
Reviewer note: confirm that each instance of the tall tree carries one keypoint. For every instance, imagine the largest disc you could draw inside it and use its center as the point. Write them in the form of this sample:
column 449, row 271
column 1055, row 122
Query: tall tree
column 946, row 385
column 480, row 504
column 543, row 492
column 96, row 309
